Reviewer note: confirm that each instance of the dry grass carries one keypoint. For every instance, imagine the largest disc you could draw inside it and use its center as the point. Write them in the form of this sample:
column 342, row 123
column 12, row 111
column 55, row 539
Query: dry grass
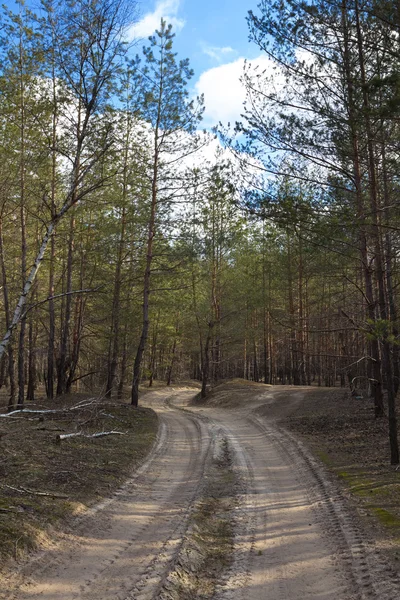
column 343, row 432
column 75, row 473
column 208, row 546
column 232, row 393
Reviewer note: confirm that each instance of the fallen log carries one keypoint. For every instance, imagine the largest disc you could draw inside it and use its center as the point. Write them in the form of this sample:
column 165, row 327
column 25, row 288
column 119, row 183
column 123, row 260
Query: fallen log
column 28, row 411
column 66, row 436
column 23, row 490
column 52, row 411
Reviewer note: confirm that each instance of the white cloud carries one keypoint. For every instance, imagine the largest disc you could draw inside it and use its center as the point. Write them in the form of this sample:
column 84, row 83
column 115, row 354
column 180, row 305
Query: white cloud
column 210, row 150
column 217, row 53
column 223, row 91
column 165, row 9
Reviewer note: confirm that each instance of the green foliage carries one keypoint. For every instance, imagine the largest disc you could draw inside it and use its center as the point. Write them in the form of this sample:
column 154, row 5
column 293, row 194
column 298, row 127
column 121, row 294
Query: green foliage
column 382, row 330
column 163, row 98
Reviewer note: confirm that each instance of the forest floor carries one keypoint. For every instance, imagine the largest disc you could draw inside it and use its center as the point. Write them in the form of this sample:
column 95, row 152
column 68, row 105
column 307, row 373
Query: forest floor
column 261, row 492
column 44, row 481
column 342, row 431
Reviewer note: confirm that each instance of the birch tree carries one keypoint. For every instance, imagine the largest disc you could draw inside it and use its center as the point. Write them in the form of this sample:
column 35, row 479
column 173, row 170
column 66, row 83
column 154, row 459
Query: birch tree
column 89, row 49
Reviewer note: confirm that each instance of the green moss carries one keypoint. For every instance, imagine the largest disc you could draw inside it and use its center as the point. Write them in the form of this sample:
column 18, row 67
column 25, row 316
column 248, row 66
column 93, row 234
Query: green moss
column 358, row 484
column 324, row 456
column 343, row 475
column 386, row 518
column 372, row 490
column 4, row 503
column 362, row 486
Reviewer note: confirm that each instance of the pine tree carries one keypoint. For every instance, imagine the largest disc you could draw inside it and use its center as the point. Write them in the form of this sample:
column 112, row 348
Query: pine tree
column 173, row 119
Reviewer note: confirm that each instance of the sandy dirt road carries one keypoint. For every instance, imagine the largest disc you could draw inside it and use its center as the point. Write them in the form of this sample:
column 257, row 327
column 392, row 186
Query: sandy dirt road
column 295, row 538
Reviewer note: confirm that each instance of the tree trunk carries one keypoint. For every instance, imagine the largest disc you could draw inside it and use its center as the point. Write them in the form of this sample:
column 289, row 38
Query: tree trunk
column 22, row 166
column 146, row 284
column 63, row 359
column 265, row 320
column 52, row 315
column 375, row 375
column 30, row 394
column 206, row 361
column 153, row 350
column 123, row 366
column 10, row 349
column 76, row 339
column 394, row 446
column 256, row 374
column 171, row 364
column 115, row 315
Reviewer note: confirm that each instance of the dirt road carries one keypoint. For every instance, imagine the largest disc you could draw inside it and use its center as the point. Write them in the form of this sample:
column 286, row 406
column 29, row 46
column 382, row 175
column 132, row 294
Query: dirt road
column 294, row 537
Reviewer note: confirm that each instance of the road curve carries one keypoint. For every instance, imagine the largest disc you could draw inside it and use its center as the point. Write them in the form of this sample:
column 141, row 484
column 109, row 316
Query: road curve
column 295, row 538
column 123, row 549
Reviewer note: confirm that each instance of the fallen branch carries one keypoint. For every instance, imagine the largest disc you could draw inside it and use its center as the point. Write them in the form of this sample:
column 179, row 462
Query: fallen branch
column 66, row 436
column 22, row 490
column 52, row 429
column 87, row 402
column 30, row 412
column 103, row 414
column 50, row 411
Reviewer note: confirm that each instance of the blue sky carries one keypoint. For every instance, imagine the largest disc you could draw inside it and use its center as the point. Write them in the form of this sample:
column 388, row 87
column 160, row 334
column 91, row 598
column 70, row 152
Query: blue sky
column 213, row 34
column 205, row 25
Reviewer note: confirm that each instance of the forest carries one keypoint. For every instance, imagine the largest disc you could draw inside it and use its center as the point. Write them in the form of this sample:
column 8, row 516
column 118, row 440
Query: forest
column 136, row 246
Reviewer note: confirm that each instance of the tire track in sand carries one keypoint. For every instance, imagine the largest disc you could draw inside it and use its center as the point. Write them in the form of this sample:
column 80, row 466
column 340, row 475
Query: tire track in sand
column 297, row 537
column 124, row 548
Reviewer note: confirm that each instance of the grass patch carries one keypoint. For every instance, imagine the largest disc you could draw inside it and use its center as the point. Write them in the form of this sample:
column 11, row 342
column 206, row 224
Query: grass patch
column 343, row 433
column 207, row 550
column 74, row 474
column 386, row 518
column 324, row 457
